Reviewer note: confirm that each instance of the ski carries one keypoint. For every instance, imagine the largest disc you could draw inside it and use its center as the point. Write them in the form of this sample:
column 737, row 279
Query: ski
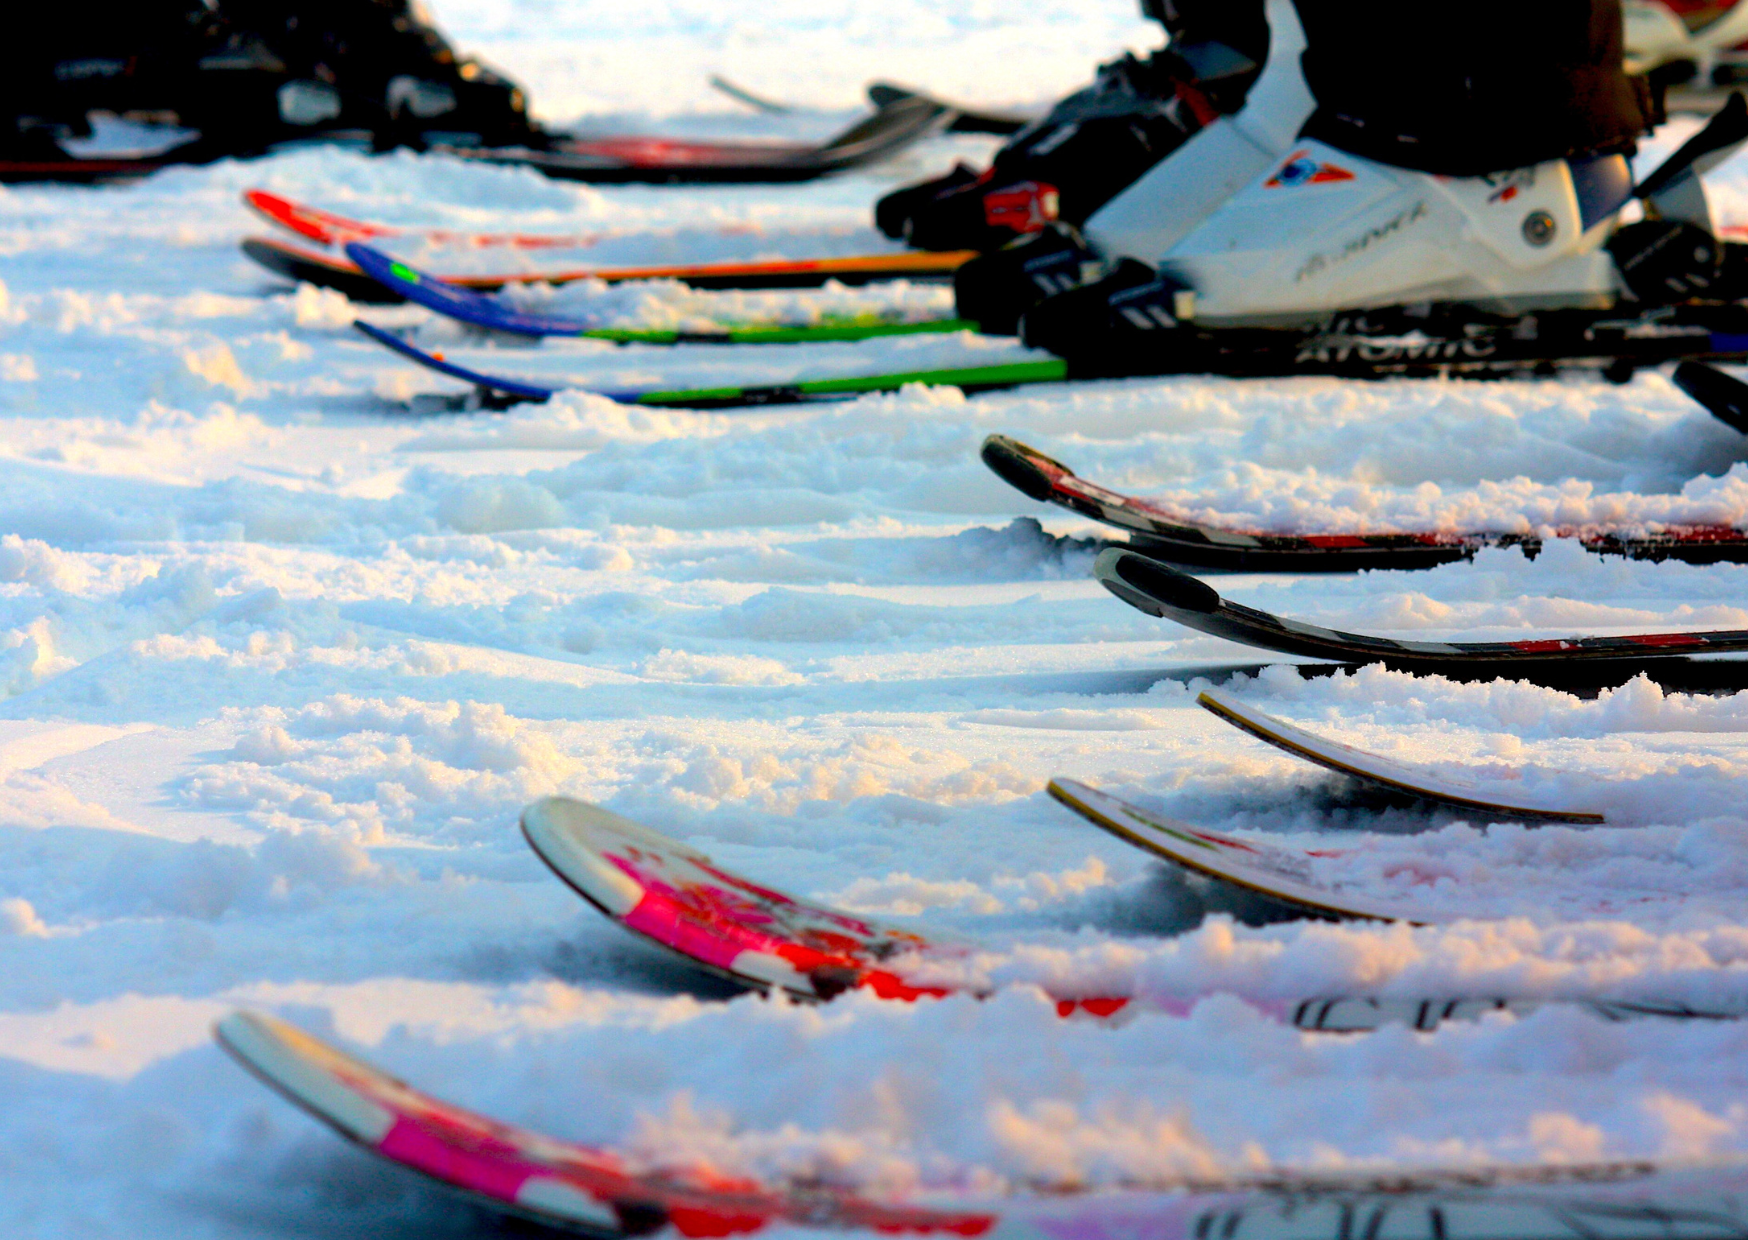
column 1723, row 396
column 604, row 1194
column 498, row 390
column 683, row 901
column 307, row 265
column 537, row 1177
column 676, row 896
column 1383, row 772
column 327, row 228
column 1170, row 536
column 966, row 119
column 895, row 124
column 1159, row 590
column 1279, row 874
column 486, row 312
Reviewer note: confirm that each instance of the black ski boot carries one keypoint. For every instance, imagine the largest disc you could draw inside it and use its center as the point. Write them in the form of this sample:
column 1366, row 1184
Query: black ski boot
column 892, row 214
column 995, row 290
column 1098, row 325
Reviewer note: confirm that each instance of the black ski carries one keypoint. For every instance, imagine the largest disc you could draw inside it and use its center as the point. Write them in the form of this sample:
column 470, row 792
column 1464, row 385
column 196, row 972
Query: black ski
column 1169, row 536
column 1152, row 587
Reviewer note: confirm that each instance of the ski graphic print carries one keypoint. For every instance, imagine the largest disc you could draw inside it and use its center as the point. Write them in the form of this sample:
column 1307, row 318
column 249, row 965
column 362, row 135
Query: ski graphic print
column 1384, row 772
column 658, row 888
column 480, row 310
column 1169, row 536
column 601, row 1193
column 1159, row 590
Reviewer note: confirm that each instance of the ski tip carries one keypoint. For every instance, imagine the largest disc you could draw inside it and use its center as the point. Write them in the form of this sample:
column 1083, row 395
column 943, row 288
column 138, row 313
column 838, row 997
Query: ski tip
column 1018, row 466
column 1152, row 587
column 1723, row 396
column 390, row 272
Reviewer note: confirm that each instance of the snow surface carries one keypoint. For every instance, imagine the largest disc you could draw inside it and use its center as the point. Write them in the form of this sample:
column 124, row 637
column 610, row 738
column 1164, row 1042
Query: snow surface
column 285, row 647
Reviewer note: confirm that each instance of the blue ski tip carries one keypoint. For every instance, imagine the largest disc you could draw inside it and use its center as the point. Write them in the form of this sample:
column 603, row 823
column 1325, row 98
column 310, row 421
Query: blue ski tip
column 512, row 387
column 452, row 300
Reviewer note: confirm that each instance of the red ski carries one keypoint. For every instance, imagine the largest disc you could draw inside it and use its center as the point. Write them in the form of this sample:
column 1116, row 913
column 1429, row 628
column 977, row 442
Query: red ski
column 327, row 228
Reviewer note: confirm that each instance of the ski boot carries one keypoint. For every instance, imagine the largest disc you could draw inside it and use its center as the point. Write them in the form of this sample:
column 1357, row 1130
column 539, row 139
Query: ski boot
column 1096, row 142
column 1145, row 219
column 1394, row 270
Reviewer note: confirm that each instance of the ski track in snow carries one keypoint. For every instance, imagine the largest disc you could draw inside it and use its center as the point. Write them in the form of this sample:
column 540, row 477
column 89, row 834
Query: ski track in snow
column 284, row 648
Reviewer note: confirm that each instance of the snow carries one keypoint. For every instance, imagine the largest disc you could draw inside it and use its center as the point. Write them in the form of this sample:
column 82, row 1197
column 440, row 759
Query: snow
column 285, row 646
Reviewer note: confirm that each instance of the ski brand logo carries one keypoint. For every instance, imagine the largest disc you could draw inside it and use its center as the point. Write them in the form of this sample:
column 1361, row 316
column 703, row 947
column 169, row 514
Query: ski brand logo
column 1301, row 169
column 1318, row 263
column 1508, row 185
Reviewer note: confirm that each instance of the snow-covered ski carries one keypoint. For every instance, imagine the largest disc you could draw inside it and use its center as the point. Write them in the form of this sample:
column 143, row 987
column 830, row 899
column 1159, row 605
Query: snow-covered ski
column 329, row 269
column 895, row 124
column 1161, row 591
column 484, row 311
column 1280, row 874
column 1169, row 536
column 500, row 389
column 601, row 1193
column 1384, row 772
column 680, row 899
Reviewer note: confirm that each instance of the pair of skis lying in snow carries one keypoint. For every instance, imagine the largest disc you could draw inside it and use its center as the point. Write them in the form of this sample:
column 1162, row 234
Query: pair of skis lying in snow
column 319, row 257
column 680, row 899
column 1370, row 345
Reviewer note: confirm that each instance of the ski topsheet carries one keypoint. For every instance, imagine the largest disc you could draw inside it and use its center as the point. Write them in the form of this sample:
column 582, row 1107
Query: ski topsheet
column 800, row 391
column 1168, row 535
column 895, row 124
column 1158, row 590
column 1396, row 776
column 679, row 898
column 312, row 265
column 597, row 1191
column 480, row 310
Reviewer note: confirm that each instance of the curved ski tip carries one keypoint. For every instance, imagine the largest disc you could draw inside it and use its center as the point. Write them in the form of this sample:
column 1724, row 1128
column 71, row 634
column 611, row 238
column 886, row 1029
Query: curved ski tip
column 1018, row 466
column 573, row 838
column 1152, row 587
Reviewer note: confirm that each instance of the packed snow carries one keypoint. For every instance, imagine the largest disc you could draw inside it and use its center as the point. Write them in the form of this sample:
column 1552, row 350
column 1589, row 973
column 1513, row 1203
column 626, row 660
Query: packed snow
column 287, row 642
